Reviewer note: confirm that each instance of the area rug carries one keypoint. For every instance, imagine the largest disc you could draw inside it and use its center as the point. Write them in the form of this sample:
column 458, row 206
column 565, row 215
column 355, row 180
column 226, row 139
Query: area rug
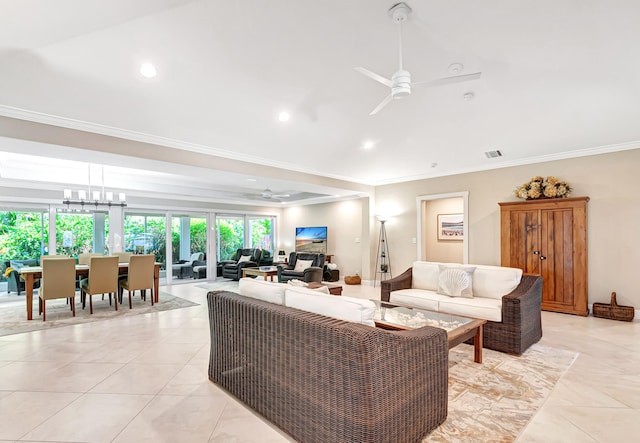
column 495, row 400
column 13, row 313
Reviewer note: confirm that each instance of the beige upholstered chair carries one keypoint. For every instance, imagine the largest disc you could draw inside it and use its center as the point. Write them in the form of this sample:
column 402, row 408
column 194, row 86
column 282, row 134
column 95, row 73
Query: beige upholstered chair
column 103, row 279
column 85, row 258
column 139, row 277
column 58, row 281
column 44, row 257
column 123, row 257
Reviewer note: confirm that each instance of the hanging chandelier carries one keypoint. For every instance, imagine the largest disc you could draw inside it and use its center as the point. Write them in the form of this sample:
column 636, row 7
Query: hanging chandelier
column 96, row 197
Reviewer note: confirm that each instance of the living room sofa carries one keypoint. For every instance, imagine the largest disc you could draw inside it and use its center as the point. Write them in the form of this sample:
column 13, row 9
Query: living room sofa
column 508, row 300
column 322, row 379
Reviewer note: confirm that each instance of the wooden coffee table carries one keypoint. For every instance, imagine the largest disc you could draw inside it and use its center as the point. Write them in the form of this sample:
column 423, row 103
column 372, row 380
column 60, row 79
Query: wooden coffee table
column 263, row 271
column 333, row 288
column 459, row 329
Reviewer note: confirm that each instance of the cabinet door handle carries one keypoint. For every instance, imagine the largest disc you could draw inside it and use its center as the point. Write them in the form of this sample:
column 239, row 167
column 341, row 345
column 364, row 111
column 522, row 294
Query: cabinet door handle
column 536, row 252
column 542, row 257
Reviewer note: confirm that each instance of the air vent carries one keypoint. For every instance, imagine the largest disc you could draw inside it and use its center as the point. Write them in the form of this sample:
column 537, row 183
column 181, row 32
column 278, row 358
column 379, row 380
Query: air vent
column 493, row 154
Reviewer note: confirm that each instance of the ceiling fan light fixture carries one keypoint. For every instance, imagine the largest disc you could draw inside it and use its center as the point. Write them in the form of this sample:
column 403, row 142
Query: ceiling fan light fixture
column 401, row 84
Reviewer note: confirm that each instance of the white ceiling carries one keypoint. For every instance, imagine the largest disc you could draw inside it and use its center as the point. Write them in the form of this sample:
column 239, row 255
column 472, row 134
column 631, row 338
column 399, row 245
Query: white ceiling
column 559, row 79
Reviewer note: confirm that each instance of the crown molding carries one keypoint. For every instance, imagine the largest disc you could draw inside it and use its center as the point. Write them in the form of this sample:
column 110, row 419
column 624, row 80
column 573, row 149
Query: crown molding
column 80, row 125
column 606, row 149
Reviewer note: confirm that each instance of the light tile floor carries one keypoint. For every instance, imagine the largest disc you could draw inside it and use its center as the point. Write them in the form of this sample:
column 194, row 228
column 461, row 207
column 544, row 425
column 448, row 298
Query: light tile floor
column 144, row 378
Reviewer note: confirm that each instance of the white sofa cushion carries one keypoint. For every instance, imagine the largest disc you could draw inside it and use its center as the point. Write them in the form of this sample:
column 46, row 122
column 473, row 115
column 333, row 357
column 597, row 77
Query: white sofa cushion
column 495, row 281
column 420, row 298
column 478, row 307
column 262, row 290
column 304, row 290
column 425, row 275
column 488, row 281
column 343, row 308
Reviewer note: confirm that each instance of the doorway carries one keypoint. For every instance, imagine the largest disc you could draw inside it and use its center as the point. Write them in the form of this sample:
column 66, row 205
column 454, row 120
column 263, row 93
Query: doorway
column 443, row 227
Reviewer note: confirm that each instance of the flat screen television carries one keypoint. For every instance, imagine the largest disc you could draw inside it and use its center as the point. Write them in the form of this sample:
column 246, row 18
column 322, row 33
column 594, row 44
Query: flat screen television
column 311, row 239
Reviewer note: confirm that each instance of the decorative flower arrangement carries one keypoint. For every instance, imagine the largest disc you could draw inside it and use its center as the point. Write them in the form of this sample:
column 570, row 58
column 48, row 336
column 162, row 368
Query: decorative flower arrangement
column 540, row 187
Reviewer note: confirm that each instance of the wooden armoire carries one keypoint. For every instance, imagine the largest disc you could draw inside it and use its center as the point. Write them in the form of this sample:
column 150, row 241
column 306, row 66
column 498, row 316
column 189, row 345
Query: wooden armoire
column 548, row 237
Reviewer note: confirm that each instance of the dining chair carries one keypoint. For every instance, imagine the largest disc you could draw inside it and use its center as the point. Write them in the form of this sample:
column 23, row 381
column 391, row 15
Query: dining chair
column 103, row 279
column 85, row 258
column 58, row 281
column 139, row 277
column 123, row 257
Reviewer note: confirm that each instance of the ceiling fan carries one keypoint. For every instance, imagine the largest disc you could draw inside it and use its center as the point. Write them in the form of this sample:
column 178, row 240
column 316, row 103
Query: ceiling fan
column 400, row 83
column 268, row 194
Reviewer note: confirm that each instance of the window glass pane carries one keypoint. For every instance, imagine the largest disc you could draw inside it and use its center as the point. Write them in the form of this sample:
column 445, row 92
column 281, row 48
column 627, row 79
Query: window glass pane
column 261, row 230
column 78, row 233
column 230, row 231
column 146, row 234
column 188, row 236
column 23, row 235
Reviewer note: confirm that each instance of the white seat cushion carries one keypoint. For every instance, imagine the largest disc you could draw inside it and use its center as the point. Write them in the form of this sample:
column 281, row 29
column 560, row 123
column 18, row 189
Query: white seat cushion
column 478, row 307
column 262, row 290
column 343, row 308
column 419, row 298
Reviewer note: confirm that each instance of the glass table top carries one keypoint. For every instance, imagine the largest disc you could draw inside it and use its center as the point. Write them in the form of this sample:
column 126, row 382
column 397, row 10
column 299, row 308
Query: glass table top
column 405, row 317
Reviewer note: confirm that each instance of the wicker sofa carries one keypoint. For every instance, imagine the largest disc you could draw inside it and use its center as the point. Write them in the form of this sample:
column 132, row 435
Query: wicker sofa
column 321, row 379
column 519, row 323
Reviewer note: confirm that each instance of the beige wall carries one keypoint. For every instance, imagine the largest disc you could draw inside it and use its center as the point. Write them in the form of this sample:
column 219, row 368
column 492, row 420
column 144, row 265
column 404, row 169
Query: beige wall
column 447, row 251
column 610, row 180
column 347, row 229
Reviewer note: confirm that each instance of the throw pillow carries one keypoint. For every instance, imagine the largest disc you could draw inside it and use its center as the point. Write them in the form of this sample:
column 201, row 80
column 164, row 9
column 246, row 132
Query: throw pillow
column 301, row 265
column 456, row 282
column 244, row 258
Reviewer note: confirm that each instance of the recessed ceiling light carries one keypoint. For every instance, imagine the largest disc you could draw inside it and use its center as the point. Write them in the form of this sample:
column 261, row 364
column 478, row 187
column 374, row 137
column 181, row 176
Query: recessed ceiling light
column 148, row 70
column 468, row 96
column 367, row 145
column 284, row 116
column 455, row 68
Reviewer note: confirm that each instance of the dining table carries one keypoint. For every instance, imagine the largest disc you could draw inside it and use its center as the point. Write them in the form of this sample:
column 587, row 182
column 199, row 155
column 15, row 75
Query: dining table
column 32, row 273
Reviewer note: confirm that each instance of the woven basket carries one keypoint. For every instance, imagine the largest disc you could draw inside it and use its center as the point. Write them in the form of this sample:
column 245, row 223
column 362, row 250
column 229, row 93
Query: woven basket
column 352, row 280
column 613, row 311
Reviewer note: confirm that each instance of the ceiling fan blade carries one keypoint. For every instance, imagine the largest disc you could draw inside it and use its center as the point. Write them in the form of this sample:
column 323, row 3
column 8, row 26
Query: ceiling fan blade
column 374, row 76
column 448, row 80
column 382, row 104
column 280, row 195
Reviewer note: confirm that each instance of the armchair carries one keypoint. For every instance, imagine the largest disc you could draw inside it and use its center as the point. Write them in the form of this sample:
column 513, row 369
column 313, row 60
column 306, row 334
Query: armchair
column 310, row 270
column 184, row 268
column 245, row 258
column 14, row 282
column 266, row 259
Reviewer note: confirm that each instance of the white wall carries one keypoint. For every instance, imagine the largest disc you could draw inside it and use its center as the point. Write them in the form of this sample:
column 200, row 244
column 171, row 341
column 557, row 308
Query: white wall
column 347, row 229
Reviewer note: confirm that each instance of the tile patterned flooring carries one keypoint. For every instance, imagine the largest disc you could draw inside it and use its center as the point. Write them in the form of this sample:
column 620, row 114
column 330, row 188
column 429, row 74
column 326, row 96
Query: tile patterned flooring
column 144, row 378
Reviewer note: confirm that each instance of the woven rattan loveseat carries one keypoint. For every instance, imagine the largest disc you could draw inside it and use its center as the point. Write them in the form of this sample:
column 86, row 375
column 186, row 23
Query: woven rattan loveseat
column 520, row 325
column 323, row 380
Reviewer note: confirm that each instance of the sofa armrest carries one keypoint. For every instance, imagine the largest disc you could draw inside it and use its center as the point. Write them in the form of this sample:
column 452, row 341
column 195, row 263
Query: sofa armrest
column 403, row 281
column 247, row 264
column 312, row 274
column 524, row 301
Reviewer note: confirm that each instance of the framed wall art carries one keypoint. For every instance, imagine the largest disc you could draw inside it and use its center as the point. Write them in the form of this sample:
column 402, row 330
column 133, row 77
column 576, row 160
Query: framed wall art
column 451, row 227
